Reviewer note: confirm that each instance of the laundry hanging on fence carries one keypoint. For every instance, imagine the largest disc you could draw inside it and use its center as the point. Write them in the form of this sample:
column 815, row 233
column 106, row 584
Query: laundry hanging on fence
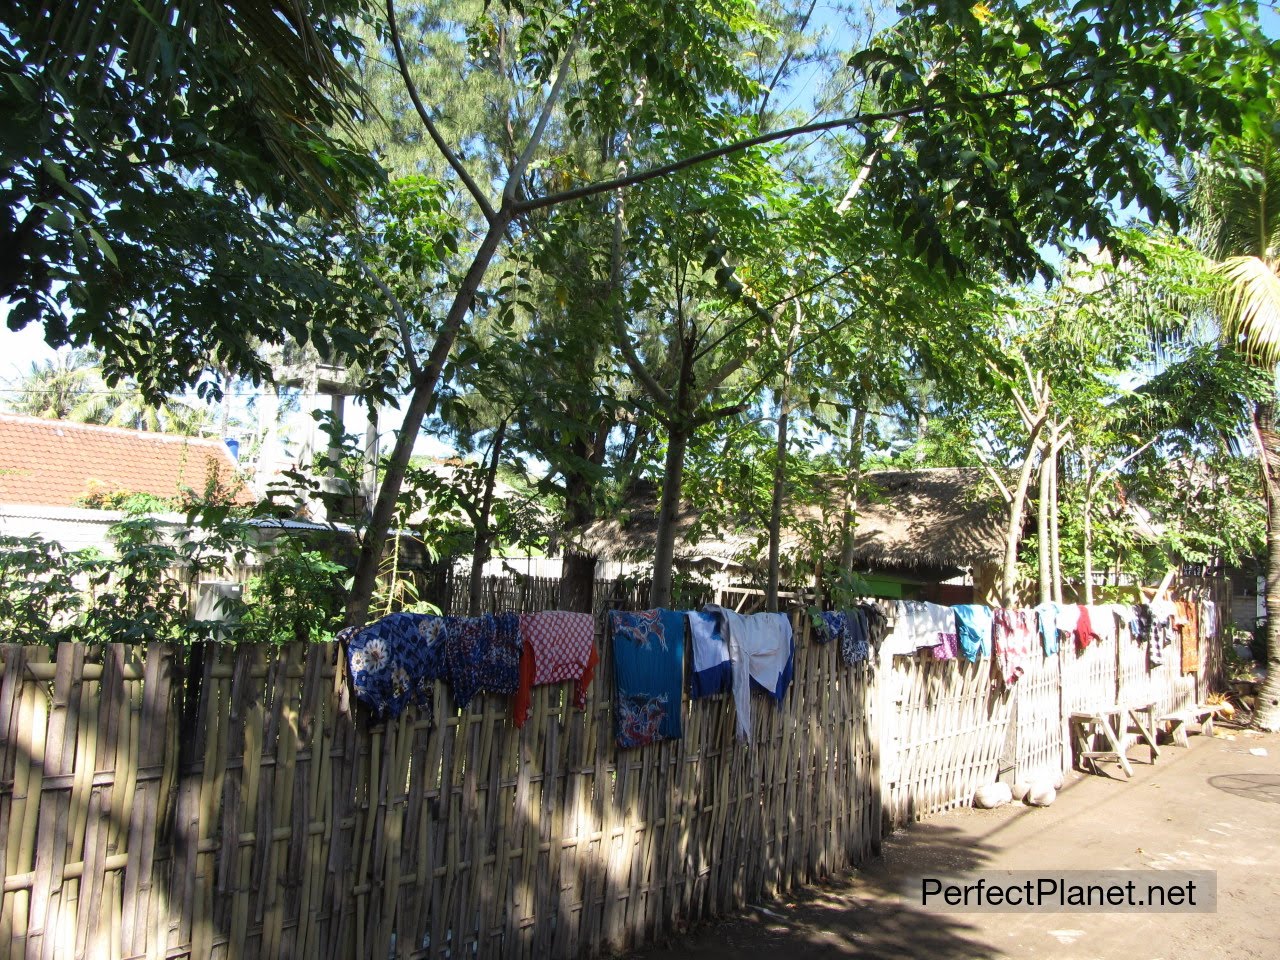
column 948, row 649
column 1162, row 612
column 712, row 672
column 482, row 654
column 1140, row 623
column 556, row 646
column 395, row 661
column 850, row 628
column 1014, row 638
column 761, row 651
column 1189, row 629
column 920, row 624
column 1068, row 622
column 648, row 666
column 877, row 624
column 1208, row 619
column 973, row 630
column 829, row 625
column 1047, row 619
column 1102, row 620
column 855, row 645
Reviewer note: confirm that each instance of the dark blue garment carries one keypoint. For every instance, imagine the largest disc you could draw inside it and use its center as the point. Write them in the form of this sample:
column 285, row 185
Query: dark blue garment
column 648, row 666
column 830, row 625
column 482, row 653
column 395, row 661
column 856, row 644
column 712, row 671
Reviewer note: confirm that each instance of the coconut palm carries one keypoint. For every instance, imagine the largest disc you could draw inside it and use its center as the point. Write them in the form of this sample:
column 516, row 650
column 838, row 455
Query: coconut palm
column 1236, row 199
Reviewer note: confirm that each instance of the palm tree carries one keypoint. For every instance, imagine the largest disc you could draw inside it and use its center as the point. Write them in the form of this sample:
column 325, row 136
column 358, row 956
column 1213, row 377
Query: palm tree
column 72, row 387
column 62, row 388
column 1237, row 203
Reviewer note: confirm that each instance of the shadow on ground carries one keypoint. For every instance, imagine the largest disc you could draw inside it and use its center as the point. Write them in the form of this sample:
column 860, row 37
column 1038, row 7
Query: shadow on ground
column 855, row 914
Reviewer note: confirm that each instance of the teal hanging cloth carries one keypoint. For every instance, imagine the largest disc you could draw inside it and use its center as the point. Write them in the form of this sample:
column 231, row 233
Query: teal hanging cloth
column 648, row 668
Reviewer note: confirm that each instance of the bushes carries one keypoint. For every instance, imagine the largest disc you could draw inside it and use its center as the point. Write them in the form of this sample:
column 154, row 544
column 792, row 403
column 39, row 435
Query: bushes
column 143, row 592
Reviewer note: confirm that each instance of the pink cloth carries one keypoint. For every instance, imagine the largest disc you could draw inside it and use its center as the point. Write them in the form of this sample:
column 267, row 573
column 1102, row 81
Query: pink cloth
column 1014, row 637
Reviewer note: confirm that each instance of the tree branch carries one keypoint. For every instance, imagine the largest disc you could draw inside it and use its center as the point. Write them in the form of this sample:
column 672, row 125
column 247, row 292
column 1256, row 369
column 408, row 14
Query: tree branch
column 522, row 164
column 450, row 157
column 397, row 310
column 603, row 186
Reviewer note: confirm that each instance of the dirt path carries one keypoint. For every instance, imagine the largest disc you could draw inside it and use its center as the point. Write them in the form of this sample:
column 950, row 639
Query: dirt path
column 1213, row 807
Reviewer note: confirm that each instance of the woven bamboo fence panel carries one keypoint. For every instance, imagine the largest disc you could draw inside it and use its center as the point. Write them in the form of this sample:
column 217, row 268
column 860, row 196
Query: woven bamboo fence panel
column 221, row 802
column 945, row 727
column 253, row 818
column 1040, row 730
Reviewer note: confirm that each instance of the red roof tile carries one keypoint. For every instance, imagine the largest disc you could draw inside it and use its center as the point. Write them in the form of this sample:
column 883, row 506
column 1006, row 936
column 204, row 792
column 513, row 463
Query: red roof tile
column 56, row 462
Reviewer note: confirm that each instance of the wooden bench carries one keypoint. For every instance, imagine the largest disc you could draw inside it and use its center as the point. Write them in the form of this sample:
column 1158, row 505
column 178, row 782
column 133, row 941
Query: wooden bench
column 1085, row 724
column 1201, row 713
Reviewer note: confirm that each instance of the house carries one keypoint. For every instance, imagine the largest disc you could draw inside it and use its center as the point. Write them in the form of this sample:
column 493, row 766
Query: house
column 927, row 533
column 57, row 476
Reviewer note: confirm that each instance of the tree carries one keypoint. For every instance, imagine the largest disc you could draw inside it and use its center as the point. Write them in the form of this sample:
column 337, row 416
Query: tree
column 72, row 387
column 1237, row 196
column 157, row 160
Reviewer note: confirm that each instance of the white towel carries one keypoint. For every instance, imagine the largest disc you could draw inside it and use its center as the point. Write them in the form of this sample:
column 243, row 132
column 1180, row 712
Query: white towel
column 760, row 647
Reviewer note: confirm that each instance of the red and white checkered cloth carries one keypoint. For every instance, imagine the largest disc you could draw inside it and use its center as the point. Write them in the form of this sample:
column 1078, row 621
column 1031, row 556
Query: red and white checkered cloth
column 555, row 646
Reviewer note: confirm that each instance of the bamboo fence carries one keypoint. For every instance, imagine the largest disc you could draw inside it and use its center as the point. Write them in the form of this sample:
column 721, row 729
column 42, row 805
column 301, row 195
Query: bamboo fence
column 228, row 802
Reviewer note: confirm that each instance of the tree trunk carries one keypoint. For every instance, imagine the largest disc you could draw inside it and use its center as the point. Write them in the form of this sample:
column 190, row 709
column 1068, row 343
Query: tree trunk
column 779, row 480
column 578, row 570
column 668, row 513
column 1013, row 535
column 484, row 538
column 1042, row 529
column 1089, row 482
column 1055, row 545
column 420, row 401
column 852, row 480
column 1267, row 712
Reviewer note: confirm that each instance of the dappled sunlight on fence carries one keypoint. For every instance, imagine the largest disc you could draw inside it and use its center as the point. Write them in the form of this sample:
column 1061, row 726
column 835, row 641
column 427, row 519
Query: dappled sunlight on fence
column 223, row 802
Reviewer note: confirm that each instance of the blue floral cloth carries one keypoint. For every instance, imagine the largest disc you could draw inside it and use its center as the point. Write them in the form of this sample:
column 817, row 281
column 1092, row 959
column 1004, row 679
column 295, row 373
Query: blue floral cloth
column 855, row 645
column 830, row 625
column 395, row 661
column 482, row 653
column 648, row 665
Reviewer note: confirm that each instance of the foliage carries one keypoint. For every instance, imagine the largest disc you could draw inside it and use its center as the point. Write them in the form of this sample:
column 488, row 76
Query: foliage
column 156, row 158
column 39, row 600
column 298, row 596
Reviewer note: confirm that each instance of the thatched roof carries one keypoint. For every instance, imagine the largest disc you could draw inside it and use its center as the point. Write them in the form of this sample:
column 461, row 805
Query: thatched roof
column 907, row 519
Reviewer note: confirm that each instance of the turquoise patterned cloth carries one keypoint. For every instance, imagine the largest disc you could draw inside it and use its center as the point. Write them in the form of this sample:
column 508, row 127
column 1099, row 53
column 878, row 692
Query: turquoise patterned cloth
column 648, row 665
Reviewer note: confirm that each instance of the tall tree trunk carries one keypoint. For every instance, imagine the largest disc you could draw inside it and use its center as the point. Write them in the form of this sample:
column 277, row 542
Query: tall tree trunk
column 669, row 512
column 1042, row 529
column 780, row 477
column 1013, row 533
column 420, row 401
column 578, row 570
column 1055, row 545
column 1089, row 481
column 1267, row 712
column 852, row 481
column 484, row 538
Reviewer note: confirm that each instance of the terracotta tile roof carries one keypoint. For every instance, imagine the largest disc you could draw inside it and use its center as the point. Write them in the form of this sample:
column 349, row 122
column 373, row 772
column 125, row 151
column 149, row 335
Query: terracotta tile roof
column 56, row 462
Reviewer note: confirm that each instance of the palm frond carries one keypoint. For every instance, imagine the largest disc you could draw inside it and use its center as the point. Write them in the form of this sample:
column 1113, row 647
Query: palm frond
column 1249, row 305
column 1235, row 199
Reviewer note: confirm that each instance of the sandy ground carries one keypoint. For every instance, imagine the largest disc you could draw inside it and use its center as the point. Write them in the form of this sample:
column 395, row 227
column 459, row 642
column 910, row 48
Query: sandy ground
column 1212, row 807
